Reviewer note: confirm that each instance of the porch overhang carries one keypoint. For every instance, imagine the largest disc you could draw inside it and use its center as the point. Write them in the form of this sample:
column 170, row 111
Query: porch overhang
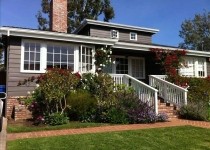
column 48, row 35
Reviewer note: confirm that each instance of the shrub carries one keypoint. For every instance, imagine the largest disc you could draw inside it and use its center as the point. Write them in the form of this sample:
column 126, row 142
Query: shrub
column 162, row 117
column 142, row 113
column 56, row 119
column 81, row 103
column 55, row 84
column 194, row 111
column 117, row 115
column 100, row 85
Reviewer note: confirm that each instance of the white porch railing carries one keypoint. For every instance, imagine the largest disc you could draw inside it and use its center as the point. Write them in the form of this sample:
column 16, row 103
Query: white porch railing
column 145, row 92
column 169, row 91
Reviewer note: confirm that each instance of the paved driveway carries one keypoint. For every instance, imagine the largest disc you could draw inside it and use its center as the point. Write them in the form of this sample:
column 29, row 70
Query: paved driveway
column 3, row 135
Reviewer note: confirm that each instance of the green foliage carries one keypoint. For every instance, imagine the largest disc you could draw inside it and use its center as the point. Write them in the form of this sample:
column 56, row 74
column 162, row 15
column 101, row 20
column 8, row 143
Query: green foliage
column 55, row 84
column 102, row 57
column 100, row 85
column 81, row 103
column 56, row 119
column 117, row 115
column 195, row 111
column 199, row 90
column 198, row 97
column 77, row 12
column 196, row 32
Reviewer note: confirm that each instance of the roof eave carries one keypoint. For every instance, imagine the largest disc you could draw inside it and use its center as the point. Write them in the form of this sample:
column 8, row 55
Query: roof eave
column 143, row 47
column 114, row 25
column 55, row 36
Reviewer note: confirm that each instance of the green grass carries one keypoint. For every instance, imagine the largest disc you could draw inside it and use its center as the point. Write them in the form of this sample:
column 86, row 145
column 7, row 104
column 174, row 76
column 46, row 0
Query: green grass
column 20, row 127
column 173, row 138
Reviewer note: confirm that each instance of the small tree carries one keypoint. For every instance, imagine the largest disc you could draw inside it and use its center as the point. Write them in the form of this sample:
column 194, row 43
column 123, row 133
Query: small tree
column 55, row 84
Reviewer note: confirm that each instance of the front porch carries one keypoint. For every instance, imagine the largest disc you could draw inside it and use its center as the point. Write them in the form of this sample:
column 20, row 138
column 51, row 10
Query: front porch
column 158, row 93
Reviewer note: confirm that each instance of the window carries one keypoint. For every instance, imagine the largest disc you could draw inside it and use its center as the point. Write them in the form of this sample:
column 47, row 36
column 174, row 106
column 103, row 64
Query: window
column 194, row 67
column 31, row 57
column 85, row 59
column 114, row 34
column 133, row 66
column 137, row 68
column 60, row 56
column 133, row 36
column 37, row 56
column 121, row 65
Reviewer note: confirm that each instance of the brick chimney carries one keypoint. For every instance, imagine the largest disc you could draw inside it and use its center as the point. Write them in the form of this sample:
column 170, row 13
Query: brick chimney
column 58, row 18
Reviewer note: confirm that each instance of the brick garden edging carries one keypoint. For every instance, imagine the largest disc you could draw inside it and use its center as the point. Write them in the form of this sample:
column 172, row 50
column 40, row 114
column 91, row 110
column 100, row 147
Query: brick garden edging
column 172, row 123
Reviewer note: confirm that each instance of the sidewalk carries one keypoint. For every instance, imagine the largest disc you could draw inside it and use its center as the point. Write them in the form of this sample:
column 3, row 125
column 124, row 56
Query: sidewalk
column 174, row 122
column 3, row 135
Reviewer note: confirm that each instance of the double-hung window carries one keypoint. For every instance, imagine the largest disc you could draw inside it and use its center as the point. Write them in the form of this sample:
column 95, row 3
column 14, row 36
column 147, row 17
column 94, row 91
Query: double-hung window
column 194, row 67
column 85, row 59
column 31, row 57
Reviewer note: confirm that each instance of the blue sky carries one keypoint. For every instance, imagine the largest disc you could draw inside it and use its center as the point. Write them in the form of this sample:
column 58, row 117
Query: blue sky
column 165, row 15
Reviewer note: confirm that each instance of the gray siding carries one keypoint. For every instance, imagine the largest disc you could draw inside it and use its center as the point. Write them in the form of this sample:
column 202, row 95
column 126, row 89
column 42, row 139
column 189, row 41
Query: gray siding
column 124, row 35
column 208, row 68
column 13, row 70
column 100, row 32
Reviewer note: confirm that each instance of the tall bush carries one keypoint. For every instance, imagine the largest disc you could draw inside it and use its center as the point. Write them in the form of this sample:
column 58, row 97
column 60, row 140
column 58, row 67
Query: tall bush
column 55, row 84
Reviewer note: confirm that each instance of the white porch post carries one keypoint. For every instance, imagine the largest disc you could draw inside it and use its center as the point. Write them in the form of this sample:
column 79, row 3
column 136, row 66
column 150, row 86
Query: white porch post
column 185, row 98
column 156, row 102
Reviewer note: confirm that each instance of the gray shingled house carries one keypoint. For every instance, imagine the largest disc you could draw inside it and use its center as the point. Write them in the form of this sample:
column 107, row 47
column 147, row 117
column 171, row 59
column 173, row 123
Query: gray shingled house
column 30, row 52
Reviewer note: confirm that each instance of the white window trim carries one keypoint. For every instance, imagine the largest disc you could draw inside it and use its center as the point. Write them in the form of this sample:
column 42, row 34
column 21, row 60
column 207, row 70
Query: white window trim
column 135, row 36
column 43, row 55
column 129, row 64
column 195, row 70
column 42, row 70
column 93, row 59
column 117, row 34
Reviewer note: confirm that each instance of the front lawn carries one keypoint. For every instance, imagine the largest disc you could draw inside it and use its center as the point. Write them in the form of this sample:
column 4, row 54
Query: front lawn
column 173, row 138
column 18, row 127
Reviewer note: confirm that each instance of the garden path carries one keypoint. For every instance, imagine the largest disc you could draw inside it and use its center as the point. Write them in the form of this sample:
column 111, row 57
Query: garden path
column 171, row 123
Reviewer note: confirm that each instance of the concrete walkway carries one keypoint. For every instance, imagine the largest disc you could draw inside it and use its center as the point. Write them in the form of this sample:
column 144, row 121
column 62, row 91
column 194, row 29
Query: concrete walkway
column 174, row 122
column 3, row 135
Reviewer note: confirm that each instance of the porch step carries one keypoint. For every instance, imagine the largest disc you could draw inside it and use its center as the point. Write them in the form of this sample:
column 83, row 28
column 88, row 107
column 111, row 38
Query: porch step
column 167, row 108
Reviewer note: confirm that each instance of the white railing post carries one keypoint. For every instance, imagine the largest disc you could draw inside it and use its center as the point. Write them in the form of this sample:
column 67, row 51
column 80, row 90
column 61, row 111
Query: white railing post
column 185, row 98
column 156, row 102
column 165, row 91
column 169, row 91
column 143, row 91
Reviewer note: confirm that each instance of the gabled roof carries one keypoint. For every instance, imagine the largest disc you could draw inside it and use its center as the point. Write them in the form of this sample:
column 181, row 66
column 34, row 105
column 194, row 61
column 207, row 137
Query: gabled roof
column 114, row 25
column 49, row 35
